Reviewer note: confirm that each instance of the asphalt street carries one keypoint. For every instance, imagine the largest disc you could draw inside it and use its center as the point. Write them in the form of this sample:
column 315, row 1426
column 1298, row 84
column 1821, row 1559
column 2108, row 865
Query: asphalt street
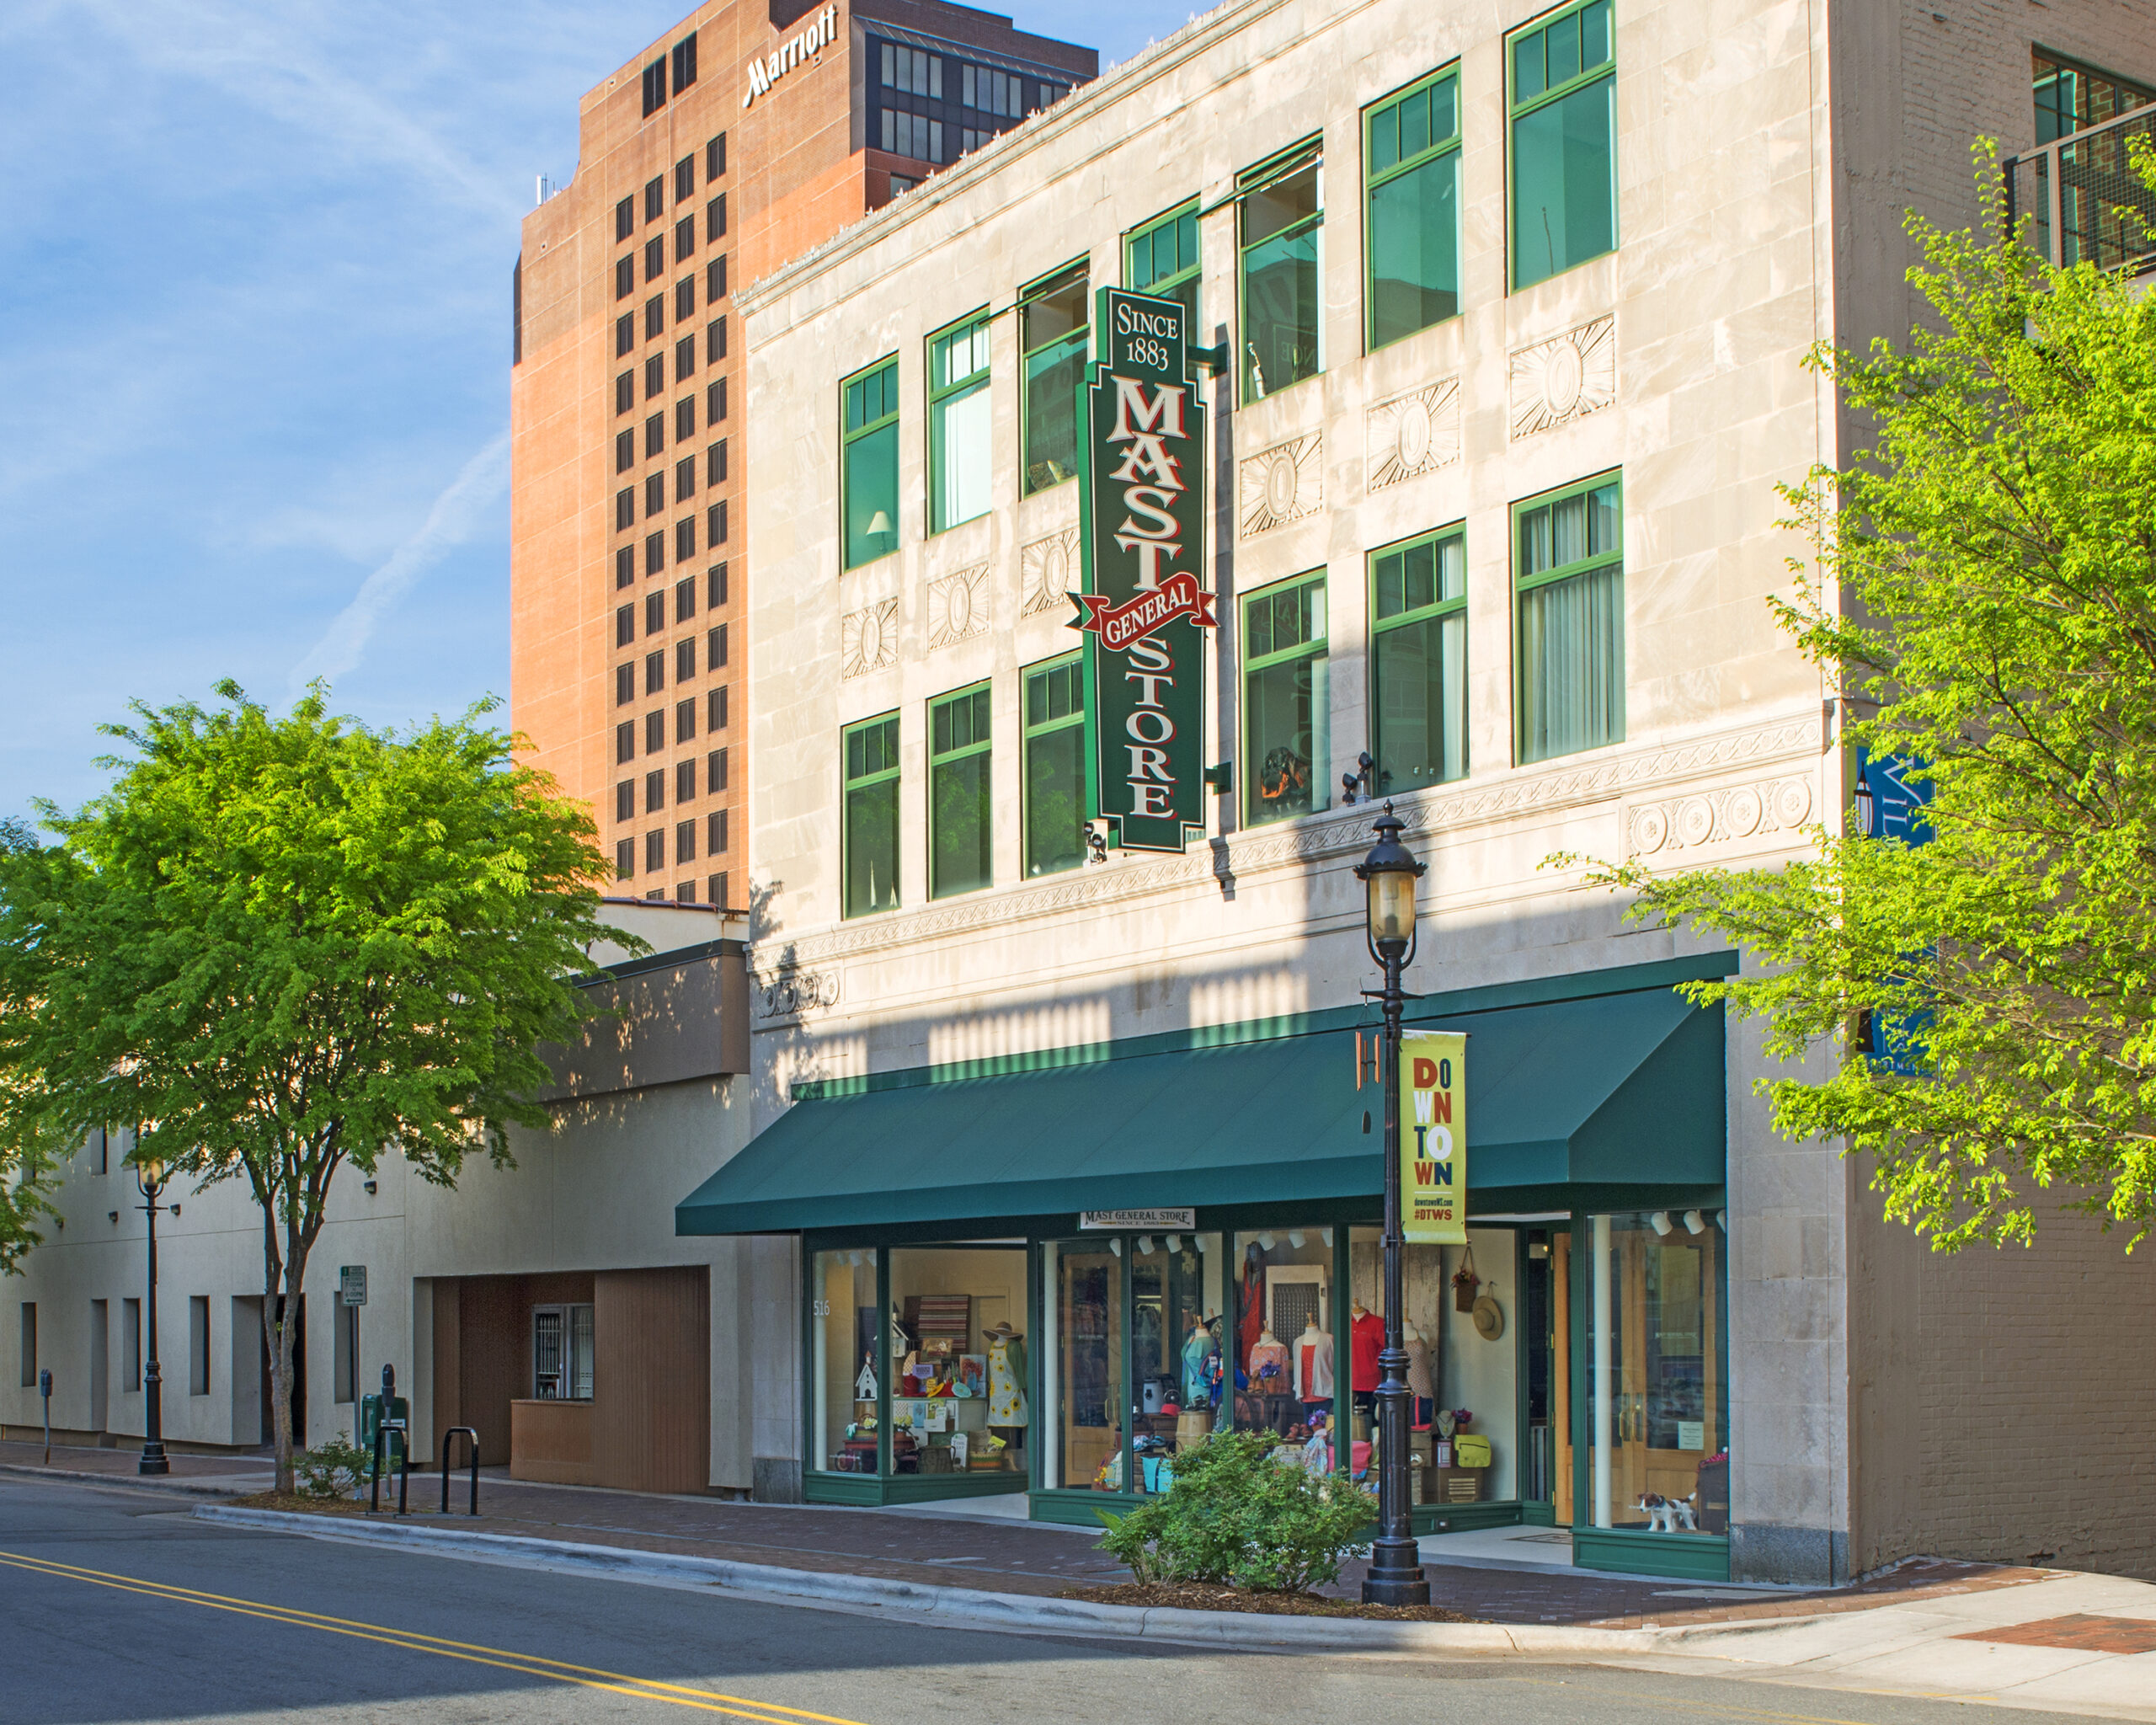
column 118, row 1606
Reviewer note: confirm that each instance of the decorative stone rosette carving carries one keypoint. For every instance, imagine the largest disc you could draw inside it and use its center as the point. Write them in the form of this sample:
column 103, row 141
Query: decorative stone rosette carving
column 1717, row 817
column 958, row 606
column 1049, row 570
column 1413, row 434
column 1282, row 484
column 868, row 638
column 1565, row 378
column 790, row 992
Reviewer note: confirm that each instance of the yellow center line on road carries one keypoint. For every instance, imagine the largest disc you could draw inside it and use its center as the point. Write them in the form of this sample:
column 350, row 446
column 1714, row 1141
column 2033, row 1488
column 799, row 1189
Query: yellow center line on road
column 472, row 1653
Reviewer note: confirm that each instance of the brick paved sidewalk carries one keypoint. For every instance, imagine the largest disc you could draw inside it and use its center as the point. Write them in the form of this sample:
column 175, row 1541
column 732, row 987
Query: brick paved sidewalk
column 72, row 1459
column 1039, row 1558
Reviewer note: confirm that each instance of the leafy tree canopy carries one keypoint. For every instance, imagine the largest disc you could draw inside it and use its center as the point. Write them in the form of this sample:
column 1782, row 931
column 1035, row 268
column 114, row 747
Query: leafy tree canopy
column 285, row 944
column 1984, row 597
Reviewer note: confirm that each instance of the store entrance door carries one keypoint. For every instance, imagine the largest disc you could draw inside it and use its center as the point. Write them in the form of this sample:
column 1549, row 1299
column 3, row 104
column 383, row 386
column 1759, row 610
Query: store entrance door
column 1657, row 1452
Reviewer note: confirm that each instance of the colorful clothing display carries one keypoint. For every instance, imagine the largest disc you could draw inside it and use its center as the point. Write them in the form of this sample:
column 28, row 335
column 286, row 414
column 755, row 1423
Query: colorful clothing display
column 1314, row 1367
column 1275, row 1355
column 1196, row 1386
column 1365, row 1340
column 1007, row 1381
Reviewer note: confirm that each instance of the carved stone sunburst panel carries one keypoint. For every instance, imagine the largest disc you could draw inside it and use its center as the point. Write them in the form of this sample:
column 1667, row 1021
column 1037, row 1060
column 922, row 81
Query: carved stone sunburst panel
column 1565, row 378
column 1283, row 484
column 1413, row 434
column 1717, row 817
column 958, row 606
column 868, row 638
column 1048, row 569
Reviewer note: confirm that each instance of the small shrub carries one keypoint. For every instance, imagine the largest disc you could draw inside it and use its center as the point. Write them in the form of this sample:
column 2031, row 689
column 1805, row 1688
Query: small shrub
column 1239, row 1515
column 336, row 1468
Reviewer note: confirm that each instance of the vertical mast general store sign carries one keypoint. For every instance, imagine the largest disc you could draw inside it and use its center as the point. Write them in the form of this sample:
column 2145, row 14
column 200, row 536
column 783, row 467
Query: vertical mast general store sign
column 1141, row 467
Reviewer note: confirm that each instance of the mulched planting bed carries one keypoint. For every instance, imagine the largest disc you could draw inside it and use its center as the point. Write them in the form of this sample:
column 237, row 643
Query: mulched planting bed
column 1204, row 1596
column 293, row 1501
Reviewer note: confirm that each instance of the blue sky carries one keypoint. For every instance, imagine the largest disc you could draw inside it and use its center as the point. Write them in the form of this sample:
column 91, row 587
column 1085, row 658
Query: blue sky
column 255, row 266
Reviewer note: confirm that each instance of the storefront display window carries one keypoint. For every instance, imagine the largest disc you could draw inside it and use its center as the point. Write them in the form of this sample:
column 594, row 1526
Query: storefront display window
column 842, row 1364
column 1657, row 1373
column 1289, row 1371
column 958, row 1318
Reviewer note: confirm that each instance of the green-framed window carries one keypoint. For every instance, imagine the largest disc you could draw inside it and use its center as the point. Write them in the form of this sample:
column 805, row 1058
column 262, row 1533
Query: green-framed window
column 1057, row 764
column 1285, row 700
column 961, row 817
column 1053, row 330
column 1419, row 662
column 871, row 837
column 960, row 461
column 1561, row 78
column 869, row 462
column 1161, row 257
column 1568, row 630
column 1411, row 245
column 1280, row 223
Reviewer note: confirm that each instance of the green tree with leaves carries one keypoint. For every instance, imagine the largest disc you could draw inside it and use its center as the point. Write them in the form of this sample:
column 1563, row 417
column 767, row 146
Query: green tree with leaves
column 1984, row 596
column 284, row 946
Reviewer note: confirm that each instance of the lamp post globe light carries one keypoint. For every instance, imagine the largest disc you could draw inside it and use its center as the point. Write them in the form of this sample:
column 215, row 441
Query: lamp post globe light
column 150, row 1182
column 1389, row 874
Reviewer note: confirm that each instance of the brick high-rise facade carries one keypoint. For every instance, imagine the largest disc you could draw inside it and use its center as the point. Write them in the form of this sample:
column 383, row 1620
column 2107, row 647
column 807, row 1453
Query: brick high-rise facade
column 744, row 136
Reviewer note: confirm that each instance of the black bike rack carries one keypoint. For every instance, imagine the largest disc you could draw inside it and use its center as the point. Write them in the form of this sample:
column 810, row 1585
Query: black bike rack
column 473, row 1438
column 404, row 1467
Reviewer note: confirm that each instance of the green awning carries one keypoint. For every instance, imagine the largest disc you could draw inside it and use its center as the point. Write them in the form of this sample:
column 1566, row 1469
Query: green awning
column 1619, row 1091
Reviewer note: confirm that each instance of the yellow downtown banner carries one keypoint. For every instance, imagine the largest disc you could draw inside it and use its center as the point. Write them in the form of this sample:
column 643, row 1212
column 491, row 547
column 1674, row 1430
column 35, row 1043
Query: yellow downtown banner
column 1433, row 1137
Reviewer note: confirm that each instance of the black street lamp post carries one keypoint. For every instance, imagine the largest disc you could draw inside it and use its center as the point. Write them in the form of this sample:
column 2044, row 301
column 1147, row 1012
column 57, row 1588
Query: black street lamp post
column 150, row 1182
column 1390, row 873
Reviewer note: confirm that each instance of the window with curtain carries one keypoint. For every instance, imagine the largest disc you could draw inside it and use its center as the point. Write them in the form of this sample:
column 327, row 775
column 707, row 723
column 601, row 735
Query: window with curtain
column 1569, row 630
column 1563, row 75
column 869, row 459
column 871, row 836
column 1418, row 662
column 1054, row 331
column 1161, row 257
column 959, row 421
column 960, row 817
column 1280, row 211
column 1411, row 147
column 1285, row 701
column 1056, row 802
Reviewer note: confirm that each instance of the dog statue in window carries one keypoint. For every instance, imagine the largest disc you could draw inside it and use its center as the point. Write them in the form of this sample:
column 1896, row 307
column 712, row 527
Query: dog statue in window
column 1664, row 1513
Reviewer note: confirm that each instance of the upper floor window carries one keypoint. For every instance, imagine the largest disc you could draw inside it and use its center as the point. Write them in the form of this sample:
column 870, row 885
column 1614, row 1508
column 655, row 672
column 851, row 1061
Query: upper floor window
column 685, row 63
column 1412, row 243
column 1418, row 662
column 1055, row 765
column 960, row 419
column 1569, row 628
column 2070, row 98
column 869, row 462
column 1280, row 210
column 912, row 134
column 1053, row 330
column 961, row 809
column 913, row 70
column 1286, row 700
column 1161, row 257
column 1564, row 155
column 870, row 816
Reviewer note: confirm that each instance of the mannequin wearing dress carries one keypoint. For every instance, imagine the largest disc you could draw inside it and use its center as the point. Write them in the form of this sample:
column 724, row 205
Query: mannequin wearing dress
column 1006, row 1377
column 1197, row 1346
column 1314, row 1369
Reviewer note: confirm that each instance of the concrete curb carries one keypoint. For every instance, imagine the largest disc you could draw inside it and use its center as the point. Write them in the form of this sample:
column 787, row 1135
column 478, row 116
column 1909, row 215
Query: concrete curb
column 209, row 1485
column 967, row 1607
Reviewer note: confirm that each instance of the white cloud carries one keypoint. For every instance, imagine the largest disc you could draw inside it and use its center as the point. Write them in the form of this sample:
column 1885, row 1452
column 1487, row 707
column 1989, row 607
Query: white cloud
column 455, row 513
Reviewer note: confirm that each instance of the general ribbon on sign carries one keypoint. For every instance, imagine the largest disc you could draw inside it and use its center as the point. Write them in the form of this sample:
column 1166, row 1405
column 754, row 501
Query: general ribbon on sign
column 1433, row 1137
column 1145, row 605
